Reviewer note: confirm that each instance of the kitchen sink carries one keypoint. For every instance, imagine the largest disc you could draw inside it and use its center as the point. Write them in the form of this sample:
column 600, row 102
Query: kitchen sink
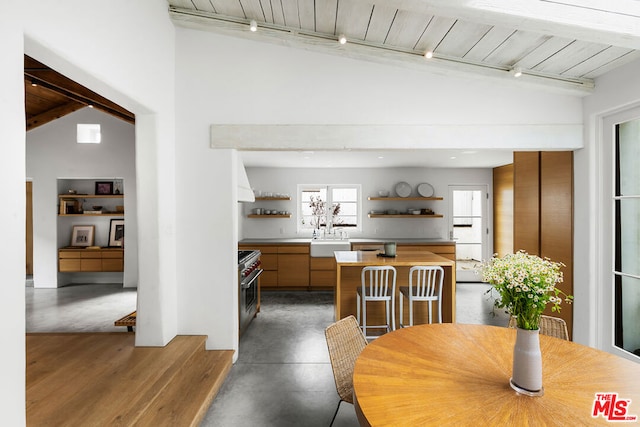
column 325, row 248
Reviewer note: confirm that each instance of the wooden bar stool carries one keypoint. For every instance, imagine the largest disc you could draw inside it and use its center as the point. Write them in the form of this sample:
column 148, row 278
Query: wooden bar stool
column 427, row 286
column 378, row 284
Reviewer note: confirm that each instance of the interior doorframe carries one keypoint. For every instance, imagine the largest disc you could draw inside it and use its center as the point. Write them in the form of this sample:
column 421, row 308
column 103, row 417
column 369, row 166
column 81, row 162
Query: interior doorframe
column 461, row 275
column 29, row 229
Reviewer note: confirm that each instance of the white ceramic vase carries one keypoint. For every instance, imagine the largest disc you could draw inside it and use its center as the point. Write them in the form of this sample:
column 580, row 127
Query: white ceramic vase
column 527, row 363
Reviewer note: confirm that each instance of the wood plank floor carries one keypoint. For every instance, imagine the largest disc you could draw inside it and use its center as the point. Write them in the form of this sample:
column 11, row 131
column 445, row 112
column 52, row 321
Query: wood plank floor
column 103, row 379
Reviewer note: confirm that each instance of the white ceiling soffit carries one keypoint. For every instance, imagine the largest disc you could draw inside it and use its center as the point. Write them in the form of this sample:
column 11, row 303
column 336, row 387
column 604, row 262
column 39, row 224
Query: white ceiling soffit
column 355, row 146
column 562, row 44
column 350, row 159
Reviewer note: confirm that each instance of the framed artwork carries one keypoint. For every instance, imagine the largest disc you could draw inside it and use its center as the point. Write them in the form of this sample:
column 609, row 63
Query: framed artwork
column 82, row 235
column 104, row 187
column 116, row 233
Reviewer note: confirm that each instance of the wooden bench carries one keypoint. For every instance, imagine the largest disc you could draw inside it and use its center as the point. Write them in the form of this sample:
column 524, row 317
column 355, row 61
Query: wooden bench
column 129, row 321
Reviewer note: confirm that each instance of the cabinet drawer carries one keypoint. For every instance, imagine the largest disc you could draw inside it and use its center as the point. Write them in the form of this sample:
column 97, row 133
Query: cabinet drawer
column 91, row 254
column 263, row 249
column 111, row 264
column 293, row 270
column 66, row 265
column 269, row 279
column 91, row 264
column 323, row 264
column 68, row 254
column 293, row 249
column 269, row 261
column 323, row 278
column 436, row 249
column 113, row 254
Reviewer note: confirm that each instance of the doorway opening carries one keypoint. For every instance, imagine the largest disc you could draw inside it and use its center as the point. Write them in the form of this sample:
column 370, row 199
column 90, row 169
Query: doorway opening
column 468, row 228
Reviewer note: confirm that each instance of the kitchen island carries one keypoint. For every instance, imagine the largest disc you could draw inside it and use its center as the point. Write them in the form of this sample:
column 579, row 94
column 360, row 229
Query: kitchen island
column 349, row 266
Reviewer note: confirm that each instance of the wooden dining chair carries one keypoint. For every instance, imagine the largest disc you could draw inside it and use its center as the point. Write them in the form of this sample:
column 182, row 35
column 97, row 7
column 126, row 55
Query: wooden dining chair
column 345, row 342
column 551, row 326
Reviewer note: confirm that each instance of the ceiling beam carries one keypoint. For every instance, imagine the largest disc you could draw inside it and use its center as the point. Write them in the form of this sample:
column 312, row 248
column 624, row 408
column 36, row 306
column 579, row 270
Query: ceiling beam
column 44, row 76
column 53, row 114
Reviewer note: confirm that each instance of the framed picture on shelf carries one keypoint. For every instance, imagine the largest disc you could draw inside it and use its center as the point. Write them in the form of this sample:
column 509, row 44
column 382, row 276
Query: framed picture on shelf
column 82, row 235
column 104, row 187
column 116, row 233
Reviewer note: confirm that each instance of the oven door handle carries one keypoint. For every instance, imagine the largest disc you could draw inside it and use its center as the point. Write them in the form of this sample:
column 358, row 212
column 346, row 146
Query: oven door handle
column 252, row 278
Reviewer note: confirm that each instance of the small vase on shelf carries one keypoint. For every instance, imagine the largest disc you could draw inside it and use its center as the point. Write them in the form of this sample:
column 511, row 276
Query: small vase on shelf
column 527, row 363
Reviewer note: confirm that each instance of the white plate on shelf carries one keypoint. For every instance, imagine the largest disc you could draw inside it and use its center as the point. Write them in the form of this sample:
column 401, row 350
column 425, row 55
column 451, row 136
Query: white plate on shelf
column 425, row 189
column 403, row 189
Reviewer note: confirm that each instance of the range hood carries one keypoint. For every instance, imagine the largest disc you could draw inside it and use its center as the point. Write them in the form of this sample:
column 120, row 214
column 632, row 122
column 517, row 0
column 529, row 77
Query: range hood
column 245, row 193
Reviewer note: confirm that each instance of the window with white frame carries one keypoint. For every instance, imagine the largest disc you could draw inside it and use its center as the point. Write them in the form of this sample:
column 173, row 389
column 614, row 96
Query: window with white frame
column 328, row 206
column 626, row 269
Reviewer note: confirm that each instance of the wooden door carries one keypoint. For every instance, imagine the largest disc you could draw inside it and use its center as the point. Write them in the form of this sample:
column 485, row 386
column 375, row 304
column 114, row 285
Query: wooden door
column 526, row 202
column 503, row 210
column 29, row 229
column 556, row 220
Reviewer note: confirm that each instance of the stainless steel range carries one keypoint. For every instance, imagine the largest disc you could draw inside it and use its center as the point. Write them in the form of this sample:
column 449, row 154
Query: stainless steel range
column 248, row 272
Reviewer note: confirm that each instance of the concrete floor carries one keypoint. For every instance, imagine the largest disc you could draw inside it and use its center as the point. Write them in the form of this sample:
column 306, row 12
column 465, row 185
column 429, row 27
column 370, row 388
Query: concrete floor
column 283, row 375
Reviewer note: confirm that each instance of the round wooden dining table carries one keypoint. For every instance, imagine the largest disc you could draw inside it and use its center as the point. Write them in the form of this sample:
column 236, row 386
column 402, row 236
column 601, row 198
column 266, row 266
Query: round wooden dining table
column 458, row 374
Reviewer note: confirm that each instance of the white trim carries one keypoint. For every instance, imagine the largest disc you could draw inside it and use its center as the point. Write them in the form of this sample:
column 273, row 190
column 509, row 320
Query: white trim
column 605, row 237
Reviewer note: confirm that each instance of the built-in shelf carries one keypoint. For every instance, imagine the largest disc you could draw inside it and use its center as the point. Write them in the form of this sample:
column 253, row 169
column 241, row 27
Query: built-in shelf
column 405, row 216
column 91, row 196
column 272, row 198
column 406, row 198
column 268, row 216
column 77, row 197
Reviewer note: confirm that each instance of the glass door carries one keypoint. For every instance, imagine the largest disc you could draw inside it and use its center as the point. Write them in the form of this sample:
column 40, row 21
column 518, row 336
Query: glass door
column 468, row 228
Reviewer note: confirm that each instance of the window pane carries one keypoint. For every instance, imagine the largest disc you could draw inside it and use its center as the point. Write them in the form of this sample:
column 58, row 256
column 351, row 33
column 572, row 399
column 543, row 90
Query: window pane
column 628, row 318
column 628, row 245
column 629, row 153
column 345, row 195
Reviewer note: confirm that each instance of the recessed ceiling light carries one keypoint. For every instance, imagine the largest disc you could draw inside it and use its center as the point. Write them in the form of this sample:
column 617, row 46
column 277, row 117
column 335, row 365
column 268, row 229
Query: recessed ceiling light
column 517, row 72
column 428, row 54
column 342, row 39
column 381, row 157
column 452, row 157
column 253, row 26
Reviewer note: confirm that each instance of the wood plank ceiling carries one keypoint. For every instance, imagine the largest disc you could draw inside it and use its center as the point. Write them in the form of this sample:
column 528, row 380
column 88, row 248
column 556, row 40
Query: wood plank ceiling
column 573, row 49
column 49, row 95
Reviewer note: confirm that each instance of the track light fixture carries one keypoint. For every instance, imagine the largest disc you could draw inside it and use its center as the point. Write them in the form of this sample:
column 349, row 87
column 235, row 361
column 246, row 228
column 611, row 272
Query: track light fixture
column 342, row 39
column 253, row 26
column 517, row 72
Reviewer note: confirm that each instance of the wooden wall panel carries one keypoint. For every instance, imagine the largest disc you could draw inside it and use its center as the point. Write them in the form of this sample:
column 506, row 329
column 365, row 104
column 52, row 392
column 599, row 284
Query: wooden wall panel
column 556, row 218
column 526, row 202
column 503, row 210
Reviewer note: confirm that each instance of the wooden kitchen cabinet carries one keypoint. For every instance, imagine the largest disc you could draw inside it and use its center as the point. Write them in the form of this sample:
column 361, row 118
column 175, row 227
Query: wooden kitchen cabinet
column 285, row 266
column 74, row 260
column 322, row 273
column 293, row 266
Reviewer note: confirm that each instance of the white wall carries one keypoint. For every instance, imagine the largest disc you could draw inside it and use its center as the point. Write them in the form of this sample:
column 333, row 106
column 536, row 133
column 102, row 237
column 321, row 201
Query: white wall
column 223, row 80
column 616, row 93
column 12, row 252
column 52, row 153
column 371, row 180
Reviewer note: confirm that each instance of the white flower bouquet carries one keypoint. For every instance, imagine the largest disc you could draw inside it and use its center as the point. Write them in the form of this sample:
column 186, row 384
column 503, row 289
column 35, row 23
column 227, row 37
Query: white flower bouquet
column 526, row 284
